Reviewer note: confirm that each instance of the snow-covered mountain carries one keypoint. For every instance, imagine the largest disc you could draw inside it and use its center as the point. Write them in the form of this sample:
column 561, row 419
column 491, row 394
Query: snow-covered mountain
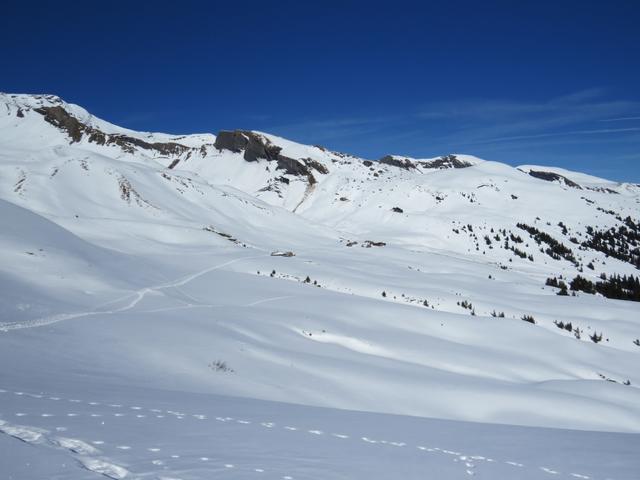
column 247, row 265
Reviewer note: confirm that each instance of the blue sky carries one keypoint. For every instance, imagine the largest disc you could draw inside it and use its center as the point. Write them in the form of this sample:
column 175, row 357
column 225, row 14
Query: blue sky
column 554, row 83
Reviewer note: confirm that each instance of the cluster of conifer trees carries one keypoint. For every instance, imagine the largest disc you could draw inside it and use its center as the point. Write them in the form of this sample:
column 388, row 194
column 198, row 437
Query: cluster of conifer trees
column 622, row 243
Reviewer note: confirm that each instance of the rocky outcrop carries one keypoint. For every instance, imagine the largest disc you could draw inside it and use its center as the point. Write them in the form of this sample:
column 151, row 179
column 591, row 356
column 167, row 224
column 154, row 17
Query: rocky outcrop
column 404, row 163
column 60, row 118
column 76, row 130
column 256, row 147
column 444, row 162
column 554, row 177
column 319, row 167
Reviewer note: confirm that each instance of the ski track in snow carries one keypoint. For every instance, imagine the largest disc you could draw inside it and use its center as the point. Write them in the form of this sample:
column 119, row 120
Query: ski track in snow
column 88, row 456
column 138, row 297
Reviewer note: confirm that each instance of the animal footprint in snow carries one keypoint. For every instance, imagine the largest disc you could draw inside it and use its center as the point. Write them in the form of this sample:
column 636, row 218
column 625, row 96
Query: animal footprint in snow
column 548, row 470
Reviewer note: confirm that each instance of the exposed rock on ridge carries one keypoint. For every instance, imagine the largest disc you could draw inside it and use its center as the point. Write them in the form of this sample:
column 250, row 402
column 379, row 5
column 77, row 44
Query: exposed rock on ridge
column 447, row 161
column 60, row 118
column 553, row 177
column 256, row 147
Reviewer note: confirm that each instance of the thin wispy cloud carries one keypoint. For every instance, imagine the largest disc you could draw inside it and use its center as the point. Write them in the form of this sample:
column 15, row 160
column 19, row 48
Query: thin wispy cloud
column 513, row 131
column 472, row 122
column 560, row 134
column 621, row 119
column 477, row 120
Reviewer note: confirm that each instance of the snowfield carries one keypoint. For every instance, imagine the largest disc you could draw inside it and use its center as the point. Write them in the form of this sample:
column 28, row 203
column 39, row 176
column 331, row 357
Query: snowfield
column 153, row 325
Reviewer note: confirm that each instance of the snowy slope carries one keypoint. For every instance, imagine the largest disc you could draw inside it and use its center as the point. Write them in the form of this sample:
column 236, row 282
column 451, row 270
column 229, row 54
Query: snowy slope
column 140, row 433
column 138, row 267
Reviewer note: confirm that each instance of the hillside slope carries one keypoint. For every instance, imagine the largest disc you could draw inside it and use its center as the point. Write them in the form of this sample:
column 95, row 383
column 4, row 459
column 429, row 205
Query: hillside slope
column 144, row 259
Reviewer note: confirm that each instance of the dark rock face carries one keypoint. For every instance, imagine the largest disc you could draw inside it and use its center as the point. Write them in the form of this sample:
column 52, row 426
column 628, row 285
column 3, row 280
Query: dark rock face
column 234, row 141
column 256, row 146
column 291, row 165
column 316, row 166
column 447, row 161
column 60, row 118
column 396, row 162
column 552, row 177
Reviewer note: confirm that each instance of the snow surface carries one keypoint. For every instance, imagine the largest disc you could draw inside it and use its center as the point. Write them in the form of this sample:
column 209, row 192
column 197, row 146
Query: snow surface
column 146, row 331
